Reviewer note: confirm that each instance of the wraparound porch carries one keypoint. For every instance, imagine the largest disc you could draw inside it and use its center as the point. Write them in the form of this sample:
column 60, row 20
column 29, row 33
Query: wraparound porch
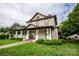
column 37, row 33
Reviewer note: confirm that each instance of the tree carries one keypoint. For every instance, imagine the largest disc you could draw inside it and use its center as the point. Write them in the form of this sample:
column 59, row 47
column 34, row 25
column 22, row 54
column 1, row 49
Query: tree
column 71, row 25
column 13, row 28
column 22, row 26
column 16, row 26
column 4, row 29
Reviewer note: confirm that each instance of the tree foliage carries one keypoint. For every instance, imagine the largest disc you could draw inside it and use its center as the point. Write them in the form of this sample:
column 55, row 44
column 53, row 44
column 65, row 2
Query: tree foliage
column 12, row 28
column 71, row 25
column 4, row 29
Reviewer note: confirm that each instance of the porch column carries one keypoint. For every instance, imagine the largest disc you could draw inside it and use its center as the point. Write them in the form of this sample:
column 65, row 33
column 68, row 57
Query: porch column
column 50, row 33
column 49, row 36
column 37, row 34
column 47, row 33
column 21, row 33
column 16, row 34
column 27, row 34
column 55, row 33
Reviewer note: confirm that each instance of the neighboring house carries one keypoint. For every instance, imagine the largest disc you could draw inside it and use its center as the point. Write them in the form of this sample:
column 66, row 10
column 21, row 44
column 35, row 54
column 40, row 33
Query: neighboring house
column 39, row 26
column 74, row 36
column 3, row 33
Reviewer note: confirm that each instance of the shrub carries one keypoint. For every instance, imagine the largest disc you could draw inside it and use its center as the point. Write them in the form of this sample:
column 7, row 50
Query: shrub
column 16, row 38
column 47, row 42
column 56, row 42
column 51, row 42
column 72, row 41
column 7, row 36
column 4, row 36
column 40, row 41
column 63, row 41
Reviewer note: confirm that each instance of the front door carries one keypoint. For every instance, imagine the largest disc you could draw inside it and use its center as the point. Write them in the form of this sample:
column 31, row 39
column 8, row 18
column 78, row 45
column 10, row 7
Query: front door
column 31, row 35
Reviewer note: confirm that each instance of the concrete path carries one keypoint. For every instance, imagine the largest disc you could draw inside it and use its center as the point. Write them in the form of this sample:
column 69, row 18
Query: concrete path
column 14, row 44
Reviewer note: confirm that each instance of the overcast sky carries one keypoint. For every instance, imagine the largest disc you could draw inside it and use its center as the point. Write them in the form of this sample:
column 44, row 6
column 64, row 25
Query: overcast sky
column 20, row 13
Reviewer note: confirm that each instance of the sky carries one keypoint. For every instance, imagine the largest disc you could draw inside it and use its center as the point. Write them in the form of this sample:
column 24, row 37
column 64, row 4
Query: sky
column 22, row 12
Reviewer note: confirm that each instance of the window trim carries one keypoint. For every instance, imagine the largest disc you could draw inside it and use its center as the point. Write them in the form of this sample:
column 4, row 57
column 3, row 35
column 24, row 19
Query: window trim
column 37, row 17
column 46, row 22
column 37, row 23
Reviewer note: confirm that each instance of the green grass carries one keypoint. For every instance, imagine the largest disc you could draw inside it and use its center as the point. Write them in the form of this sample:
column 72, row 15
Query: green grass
column 34, row 49
column 7, row 41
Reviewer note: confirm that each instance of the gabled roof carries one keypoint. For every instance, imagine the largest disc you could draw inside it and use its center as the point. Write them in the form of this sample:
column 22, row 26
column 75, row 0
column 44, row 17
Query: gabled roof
column 46, row 17
column 35, row 16
column 32, row 25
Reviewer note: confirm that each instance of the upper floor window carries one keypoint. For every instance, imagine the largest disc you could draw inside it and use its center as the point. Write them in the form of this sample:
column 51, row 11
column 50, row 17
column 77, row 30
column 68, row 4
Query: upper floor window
column 37, row 17
column 46, row 22
column 37, row 24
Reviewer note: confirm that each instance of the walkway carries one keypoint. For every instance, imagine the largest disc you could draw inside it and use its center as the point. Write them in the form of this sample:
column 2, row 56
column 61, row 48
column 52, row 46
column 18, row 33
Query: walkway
column 14, row 44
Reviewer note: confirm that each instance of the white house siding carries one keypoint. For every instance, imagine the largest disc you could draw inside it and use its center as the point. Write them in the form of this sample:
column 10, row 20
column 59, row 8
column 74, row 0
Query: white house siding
column 51, row 21
column 42, row 33
column 55, row 34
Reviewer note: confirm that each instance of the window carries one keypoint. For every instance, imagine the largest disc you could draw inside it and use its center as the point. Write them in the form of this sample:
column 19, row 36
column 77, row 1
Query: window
column 18, row 32
column 37, row 24
column 46, row 22
column 37, row 17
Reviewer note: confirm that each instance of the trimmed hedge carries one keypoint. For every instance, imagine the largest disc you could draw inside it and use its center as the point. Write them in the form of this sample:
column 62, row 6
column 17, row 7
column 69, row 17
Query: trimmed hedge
column 51, row 42
column 16, row 38
column 64, row 41
column 47, row 42
column 40, row 41
column 4, row 36
column 56, row 42
column 72, row 41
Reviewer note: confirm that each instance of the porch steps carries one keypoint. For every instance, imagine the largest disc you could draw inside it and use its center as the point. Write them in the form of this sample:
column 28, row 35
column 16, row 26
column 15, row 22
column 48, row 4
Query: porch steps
column 28, row 40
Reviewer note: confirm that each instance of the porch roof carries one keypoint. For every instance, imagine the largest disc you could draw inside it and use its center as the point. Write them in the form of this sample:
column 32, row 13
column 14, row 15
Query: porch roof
column 42, row 27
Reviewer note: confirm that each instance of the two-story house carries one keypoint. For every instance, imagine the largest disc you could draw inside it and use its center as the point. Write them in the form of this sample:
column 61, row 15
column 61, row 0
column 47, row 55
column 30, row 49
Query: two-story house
column 39, row 26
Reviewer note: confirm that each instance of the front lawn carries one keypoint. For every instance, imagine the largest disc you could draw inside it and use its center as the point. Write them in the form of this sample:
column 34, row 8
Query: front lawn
column 7, row 41
column 34, row 49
